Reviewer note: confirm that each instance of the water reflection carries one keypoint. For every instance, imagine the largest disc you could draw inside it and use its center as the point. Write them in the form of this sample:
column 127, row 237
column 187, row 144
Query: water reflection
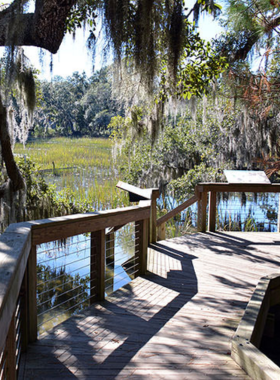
column 63, row 267
column 235, row 212
column 248, row 212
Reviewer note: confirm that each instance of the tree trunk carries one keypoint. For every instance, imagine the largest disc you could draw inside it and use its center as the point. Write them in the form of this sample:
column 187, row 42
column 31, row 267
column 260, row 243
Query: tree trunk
column 7, row 153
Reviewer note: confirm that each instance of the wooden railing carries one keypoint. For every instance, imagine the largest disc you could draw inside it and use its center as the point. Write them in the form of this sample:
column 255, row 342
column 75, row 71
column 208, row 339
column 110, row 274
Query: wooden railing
column 135, row 195
column 18, row 269
column 18, row 258
column 207, row 192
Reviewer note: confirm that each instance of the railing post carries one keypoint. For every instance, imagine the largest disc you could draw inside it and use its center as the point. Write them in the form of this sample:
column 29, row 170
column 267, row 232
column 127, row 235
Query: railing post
column 97, row 265
column 154, row 196
column 161, row 232
column 11, row 351
column 31, row 295
column 141, row 251
column 212, row 211
column 201, row 212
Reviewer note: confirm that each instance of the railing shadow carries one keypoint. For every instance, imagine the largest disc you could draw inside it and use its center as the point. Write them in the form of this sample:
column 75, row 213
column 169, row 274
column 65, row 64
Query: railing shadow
column 113, row 339
column 228, row 243
column 121, row 325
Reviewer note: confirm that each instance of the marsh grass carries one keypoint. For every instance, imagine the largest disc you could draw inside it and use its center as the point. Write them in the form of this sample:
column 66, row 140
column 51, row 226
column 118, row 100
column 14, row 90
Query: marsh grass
column 67, row 152
column 83, row 166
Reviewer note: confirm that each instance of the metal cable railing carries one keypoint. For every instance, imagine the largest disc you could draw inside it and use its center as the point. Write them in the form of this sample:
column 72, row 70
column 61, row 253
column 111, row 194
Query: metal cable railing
column 241, row 211
column 15, row 340
column 65, row 257
column 63, row 279
column 18, row 331
column 247, row 212
column 121, row 260
column 65, row 284
column 3, row 364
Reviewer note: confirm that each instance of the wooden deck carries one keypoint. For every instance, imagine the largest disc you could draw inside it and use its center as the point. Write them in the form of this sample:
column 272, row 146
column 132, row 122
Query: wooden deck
column 176, row 323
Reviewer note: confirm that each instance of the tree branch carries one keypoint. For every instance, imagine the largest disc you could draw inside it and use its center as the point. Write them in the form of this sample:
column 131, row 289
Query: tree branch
column 254, row 37
column 45, row 28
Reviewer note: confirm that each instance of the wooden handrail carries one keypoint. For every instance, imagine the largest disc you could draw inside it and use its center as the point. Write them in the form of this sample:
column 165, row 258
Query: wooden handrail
column 15, row 246
column 110, row 230
column 202, row 190
column 201, row 195
column 176, row 210
column 135, row 195
column 18, row 252
column 238, row 187
column 46, row 230
column 160, row 223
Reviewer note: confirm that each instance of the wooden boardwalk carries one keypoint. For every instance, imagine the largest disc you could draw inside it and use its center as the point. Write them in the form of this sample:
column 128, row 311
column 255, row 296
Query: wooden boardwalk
column 176, row 323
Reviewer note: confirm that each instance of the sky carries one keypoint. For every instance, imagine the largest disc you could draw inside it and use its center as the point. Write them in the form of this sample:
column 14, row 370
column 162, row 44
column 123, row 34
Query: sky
column 73, row 54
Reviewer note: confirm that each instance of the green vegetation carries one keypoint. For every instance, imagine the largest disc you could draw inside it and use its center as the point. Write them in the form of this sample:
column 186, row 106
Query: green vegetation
column 76, row 106
column 67, row 152
column 83, row 178
column 185, row 109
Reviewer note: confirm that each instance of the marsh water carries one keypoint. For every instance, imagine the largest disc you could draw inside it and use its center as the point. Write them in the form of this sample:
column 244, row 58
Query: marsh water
column 86, row 167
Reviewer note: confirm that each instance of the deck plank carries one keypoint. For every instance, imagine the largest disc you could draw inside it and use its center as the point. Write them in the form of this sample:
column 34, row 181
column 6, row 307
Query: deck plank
column 175, row 323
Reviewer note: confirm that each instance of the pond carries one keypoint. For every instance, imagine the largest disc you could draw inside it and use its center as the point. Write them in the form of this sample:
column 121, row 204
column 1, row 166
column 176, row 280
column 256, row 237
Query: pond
column 235, row 212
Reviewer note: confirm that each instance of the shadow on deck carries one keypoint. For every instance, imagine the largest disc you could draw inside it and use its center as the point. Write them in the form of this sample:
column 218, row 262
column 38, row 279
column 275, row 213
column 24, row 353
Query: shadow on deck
column 176, row 322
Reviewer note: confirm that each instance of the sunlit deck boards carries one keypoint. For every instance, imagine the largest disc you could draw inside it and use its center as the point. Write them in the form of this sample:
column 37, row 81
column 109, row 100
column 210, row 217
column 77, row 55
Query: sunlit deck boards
column 176, row 323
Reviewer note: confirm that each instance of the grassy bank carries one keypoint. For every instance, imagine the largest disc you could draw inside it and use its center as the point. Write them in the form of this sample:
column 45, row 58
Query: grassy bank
column 67, row 152
column 84, row 166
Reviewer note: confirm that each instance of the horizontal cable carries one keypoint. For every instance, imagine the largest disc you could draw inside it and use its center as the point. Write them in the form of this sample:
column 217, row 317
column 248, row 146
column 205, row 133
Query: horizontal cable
column 63, row 274
column 67, row 264
column 3, row 368
column 64, row 255
column 127, row 261
column 62, row 303
column 129, row 245
column 65, row 311
column 121, row 272
column 18, row 355
column 117, row 252
column 109, row 241
column 67, row 244
column 122, row 279
column 65, row 283
column 62, row 294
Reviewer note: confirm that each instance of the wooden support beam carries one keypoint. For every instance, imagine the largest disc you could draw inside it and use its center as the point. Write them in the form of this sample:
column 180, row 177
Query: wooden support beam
column 212, row 211
column 153, row 217
column 176, row 210
column 161, row 232
column 141, row 249
column 97, row 266
column 201, row 213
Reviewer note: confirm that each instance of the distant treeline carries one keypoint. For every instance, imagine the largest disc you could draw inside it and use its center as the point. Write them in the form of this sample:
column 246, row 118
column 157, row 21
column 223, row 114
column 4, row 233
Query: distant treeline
column 75, row 106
